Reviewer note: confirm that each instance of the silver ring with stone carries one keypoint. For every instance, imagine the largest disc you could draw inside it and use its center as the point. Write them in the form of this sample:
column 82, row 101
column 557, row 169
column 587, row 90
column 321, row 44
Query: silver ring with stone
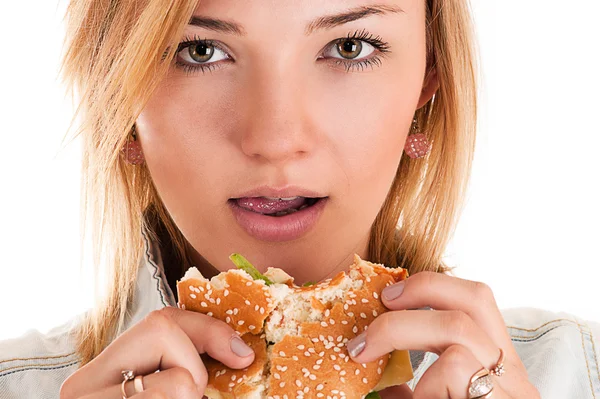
column 481, row 385
column 127, row 376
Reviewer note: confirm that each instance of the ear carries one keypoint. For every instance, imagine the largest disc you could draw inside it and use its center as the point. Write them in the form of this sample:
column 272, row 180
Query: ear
column 430, row 86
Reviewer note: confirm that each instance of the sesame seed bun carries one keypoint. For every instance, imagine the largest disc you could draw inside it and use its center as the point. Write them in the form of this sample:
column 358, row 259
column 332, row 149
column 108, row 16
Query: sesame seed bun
column 299, row 334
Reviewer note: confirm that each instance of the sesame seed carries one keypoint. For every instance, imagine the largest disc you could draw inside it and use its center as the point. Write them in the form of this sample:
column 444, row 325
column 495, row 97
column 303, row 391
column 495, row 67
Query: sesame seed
column 281, row 384
column 357, row 372
column 330, row 338
column 262, row 310
column 343, row 372
column 342, row 379
column 375, row 295
column 231, row 384
column 218, row 301
column 282, row 353
column 226, row 292
column 336, row 349
column 251, row 327
column 339, row 338
column 301, row 347
column 229, row 311
column 210, row 314
column 354, row 329
column 344, row 321
column 380, row 362
column 364, row 300
column 241, row 322
column 320, row 361
column 327, row 312
column 320, row 395
column 315, row 340
column 256, row 307
column 316, row 367
column 337, row 367
column 365, row 380
column 332, row 357
column 207, row 296
column 239, row 380
column 312, row 377
column 284, row 368
column 364, row 365
column 351, row 314
column 322, row 353
column 228, row 319
column 277, row 376
column 235, row 311
column 364, row 316
column 321, row 337
column 295, row 358
column 341, row 344
column 204, row 304
column 311, row 350
column 335, row 391
column 200, row 288
column 233, row 377
column 323, row 324
column 193, row 296
column 346, row 306
column 378, row 370
column 247, row 302
column 307, row 353
column 374, row 313
column 298, row 383
column 306, row 389
column 249, row 283
column 331, row 321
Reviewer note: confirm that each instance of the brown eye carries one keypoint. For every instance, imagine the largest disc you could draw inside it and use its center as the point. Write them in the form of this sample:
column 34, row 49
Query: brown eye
column 349, row 48
column 201, row 52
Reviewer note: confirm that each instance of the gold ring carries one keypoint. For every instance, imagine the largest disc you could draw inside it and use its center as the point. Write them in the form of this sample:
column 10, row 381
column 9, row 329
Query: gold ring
column 127, row 376
column 498, row 370
column 481, row 385
column 138, row 384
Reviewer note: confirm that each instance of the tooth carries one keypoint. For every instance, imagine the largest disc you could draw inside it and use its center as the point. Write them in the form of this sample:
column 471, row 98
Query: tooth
column 282, row 213
column 292, row 210
column 302, row 207
column 281, row 199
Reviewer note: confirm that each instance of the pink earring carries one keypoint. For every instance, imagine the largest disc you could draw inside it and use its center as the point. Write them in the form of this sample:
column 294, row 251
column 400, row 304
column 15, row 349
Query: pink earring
column 417, row 145
column 132, row 150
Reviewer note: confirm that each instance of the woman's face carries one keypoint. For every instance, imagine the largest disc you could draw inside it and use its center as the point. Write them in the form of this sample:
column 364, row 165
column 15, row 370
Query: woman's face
column 282, row 110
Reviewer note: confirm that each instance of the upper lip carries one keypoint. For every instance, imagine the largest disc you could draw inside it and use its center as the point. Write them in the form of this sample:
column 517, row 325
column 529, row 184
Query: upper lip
column 285, row 192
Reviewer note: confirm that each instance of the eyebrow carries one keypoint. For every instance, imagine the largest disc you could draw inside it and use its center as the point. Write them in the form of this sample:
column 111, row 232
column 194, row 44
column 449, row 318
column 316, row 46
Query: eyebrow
column 320, row 23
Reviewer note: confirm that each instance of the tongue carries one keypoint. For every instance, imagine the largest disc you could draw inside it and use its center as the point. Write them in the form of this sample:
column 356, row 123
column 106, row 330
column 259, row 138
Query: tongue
column 268, row 206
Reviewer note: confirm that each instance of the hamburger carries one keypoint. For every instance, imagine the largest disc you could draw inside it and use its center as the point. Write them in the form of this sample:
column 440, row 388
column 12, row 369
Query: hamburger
column 298, row 333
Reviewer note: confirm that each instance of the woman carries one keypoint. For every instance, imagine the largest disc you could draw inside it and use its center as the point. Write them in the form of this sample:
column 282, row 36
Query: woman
column 278, row 132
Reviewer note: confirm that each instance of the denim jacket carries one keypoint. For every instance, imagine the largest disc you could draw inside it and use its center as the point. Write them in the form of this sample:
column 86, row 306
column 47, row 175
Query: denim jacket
column 559, row 350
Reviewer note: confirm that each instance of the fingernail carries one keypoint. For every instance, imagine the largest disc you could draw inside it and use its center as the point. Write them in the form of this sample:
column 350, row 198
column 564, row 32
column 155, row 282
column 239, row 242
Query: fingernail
column 393, row 291
column 239, row 347
column 357, row 345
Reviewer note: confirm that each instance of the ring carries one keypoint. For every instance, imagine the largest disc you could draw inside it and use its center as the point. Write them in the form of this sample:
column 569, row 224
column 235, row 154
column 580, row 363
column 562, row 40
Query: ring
column 138, row 384
column 499, row 369
column 481, row 385
column 127, row 376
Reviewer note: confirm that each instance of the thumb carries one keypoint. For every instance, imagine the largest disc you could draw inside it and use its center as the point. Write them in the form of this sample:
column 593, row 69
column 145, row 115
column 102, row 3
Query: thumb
column 396, row 392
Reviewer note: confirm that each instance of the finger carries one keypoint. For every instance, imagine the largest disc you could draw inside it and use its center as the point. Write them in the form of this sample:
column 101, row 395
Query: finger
column 396, row 392
column 449, row 377
column 165, row 339
column 443, row 292
column 176, row 383
column 425, row 330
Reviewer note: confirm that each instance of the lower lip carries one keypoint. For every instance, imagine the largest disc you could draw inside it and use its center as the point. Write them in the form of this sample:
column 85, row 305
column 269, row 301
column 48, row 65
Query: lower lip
column 278, row 228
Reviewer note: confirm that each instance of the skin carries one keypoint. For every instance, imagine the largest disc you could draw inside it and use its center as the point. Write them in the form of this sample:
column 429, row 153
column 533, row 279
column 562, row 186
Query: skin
column 277, row 116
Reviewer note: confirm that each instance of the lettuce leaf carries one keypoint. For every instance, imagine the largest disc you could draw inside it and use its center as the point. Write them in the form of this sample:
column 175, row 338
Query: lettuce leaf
column 242, row 263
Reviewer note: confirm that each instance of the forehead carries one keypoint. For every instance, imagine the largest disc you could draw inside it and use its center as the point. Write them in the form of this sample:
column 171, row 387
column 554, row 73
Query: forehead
column 291, row 16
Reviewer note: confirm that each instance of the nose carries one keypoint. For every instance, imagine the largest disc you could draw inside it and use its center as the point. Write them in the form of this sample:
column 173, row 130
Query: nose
column 277, row 126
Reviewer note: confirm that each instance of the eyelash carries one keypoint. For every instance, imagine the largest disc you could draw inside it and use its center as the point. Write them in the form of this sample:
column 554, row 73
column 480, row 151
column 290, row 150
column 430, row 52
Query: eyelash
column 382, row 47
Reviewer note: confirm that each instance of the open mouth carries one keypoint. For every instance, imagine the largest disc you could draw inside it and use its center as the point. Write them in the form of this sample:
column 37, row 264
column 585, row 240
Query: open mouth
column 275, row 207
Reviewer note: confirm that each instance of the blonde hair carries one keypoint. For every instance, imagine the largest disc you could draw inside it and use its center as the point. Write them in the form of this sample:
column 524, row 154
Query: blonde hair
column 115, row 53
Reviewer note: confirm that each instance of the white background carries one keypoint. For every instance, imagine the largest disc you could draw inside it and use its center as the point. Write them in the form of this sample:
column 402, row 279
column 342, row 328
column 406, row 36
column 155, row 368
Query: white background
column 529, row 230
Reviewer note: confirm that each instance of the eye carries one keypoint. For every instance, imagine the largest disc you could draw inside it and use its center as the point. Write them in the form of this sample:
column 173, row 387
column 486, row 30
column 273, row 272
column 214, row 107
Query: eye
column 199, row 53
column 349, row 49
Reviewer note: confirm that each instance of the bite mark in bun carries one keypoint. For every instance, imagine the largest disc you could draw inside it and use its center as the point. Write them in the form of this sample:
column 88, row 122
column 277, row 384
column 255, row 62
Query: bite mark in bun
column 299, row 334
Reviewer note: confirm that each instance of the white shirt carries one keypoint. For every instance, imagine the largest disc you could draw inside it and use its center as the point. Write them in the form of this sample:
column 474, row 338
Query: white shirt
column 559, row 350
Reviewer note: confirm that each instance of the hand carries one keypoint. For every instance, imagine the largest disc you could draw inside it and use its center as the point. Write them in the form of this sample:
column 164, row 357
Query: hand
column 466, row 330
column 169, row 340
